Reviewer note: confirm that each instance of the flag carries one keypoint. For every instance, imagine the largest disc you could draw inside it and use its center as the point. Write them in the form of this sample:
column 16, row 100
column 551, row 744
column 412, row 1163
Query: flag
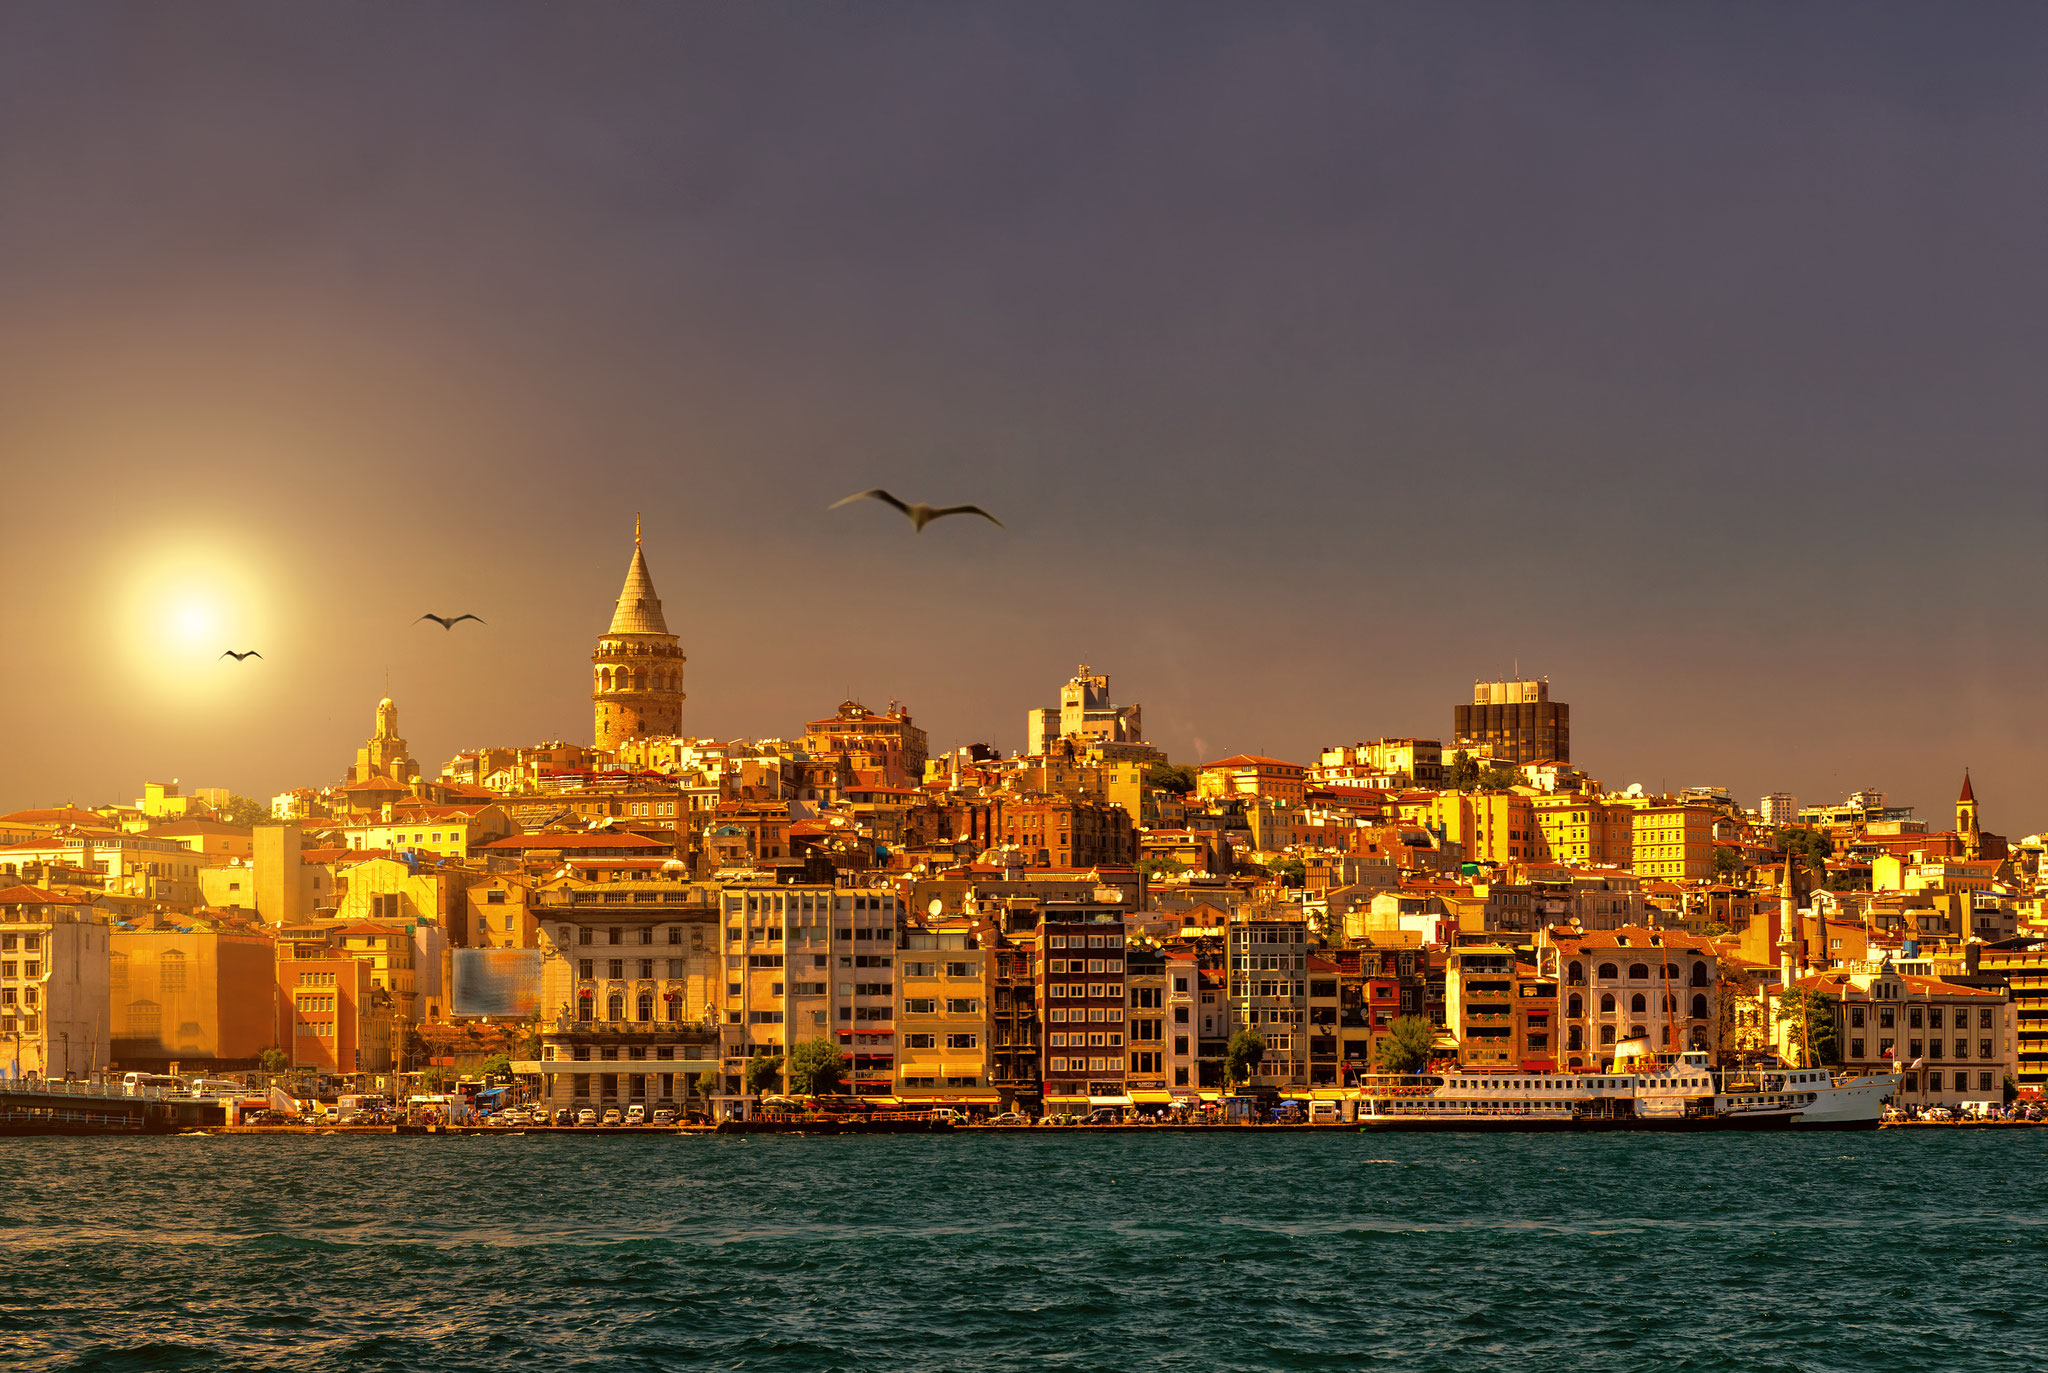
column 1916, row 1063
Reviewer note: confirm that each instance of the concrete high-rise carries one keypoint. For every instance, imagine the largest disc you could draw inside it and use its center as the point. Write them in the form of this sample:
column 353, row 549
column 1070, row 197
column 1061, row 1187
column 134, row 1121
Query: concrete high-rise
column 637, row 668
column 1515, row 722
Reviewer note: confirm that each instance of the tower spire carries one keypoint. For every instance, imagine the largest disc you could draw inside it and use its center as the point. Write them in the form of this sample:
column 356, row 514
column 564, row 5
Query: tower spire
column 636, row 529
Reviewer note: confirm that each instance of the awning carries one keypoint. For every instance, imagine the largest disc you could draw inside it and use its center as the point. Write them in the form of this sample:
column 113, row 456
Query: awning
column 1328, row 1094
column 966, row 1096
column 1143, row 1098
column 1294, row 1094
column 1212, row 1096
column 1110, row 1101
column 1066, row 1100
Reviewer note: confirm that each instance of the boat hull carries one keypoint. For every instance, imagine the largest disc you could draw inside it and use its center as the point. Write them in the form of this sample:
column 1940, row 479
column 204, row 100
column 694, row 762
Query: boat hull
column 1677, row 1125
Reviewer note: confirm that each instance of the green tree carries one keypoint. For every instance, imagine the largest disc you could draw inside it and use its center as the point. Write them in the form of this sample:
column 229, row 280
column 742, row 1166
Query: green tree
column 815, row 1067
column 1167, row 777
column 498, row 1065
column 1406, row 1046
column 1244, row 1055
column 1292, row 872
column 764, row 1074
column 1499, row 778
column 1157, row 865
column 242, row 810
column 434, row 1080
column 1727, row 862
column 1809, row 1020
column 1463, row 774
column 2012, row 1090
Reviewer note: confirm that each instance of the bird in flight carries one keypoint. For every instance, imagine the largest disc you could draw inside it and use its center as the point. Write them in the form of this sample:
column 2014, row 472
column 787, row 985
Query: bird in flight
column 445, row 622
column 238, row 657
column 920, row 514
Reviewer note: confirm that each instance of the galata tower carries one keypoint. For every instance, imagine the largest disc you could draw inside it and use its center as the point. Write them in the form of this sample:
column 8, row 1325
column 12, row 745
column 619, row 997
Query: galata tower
column 637, row 670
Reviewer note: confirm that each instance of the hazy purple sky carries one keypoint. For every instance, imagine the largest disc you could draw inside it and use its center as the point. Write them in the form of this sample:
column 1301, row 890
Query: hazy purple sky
column 1320, row 359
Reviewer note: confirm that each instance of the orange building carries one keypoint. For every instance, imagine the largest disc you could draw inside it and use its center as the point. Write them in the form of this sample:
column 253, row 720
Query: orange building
column 1249, row 774
column 191, row 996
column 331, row 1014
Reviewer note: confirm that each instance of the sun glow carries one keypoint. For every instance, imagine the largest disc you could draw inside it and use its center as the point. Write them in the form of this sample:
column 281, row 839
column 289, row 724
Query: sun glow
column 185, row 607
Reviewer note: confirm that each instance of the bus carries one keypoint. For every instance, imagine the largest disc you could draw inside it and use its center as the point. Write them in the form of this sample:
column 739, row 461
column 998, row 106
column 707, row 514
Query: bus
column 136, row 1084
column 214, row 1087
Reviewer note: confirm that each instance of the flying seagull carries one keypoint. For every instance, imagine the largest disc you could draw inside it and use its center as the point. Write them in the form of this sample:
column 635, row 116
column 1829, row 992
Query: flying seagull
column 920, row 514
column 238, row 657
column 445, row 622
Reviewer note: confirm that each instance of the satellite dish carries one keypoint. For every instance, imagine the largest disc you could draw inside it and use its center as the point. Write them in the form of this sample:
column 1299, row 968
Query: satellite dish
column 937, row 906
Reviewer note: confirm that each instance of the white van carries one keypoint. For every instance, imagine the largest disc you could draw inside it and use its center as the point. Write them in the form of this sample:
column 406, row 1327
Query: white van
column 636, row 1114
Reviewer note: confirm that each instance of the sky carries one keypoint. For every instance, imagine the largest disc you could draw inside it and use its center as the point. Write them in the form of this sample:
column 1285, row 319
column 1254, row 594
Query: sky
column 1319, row 359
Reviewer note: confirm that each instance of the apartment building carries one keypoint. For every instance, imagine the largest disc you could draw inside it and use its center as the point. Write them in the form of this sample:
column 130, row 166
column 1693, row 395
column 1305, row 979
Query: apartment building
column 805, row 961
column 631, row 992
column 1267, row 967
column 54, row 954
column 1082, row 990
column 944, row 1028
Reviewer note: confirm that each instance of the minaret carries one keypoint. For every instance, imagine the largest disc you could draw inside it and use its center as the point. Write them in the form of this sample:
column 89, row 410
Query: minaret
column 1966, row 821
column 637, row 669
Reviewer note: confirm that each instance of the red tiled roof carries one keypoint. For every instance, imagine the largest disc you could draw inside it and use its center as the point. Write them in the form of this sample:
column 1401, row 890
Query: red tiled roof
column 1245, row 760
column 25, row 895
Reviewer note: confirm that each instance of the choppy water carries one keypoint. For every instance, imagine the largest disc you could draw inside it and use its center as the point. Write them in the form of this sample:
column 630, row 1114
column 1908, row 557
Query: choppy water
column 1890, row 1251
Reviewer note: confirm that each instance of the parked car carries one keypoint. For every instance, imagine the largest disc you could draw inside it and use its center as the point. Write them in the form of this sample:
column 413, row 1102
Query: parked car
column 543, row 1116
column 611, row 1116
column 1011, row 1118
column 636, row 1114
column 586, row 1116
column 664, row 1117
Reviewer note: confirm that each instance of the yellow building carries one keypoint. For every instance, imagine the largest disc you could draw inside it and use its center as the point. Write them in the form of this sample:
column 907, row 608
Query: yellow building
column 1584, row 831
column 942, row 1026
column 449, row 831
column 1674, row 842
column 1494, row 826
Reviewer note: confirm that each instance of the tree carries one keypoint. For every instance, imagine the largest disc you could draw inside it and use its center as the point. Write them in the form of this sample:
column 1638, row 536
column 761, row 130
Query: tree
column 1463, row 774
column 498, row 1065
column 764, row 1074
column 1498, row 777
column 242, row 810
column 1167, row 777
column 1809, row 849
column 1156, row 865
column 815, row 1067
column 274, row 1061
column 434, row 1080
column 1727, row 862
column 1292, row 872
column 1246, row 1052
column 1809, row 1020
column 1406, row 1046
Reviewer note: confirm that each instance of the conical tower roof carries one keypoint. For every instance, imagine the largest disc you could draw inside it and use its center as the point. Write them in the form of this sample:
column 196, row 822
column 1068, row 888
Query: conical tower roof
column 639, row 609
column 1968, row 794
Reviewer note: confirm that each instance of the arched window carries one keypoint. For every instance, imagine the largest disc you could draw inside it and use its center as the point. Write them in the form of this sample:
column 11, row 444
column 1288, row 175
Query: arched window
column 1575, row 975
column 675, row 1007
column 1638, row 972
column 1671, row 971
column 1608, row 972
column 1637, row 1032
column 1699, row 974
column 1574, row 1038
column 615, row 1006
column 1574, row 1007
column 1638, row 1004
column 1607, row 1003
column 1670, row 1003
column 1666, row 1037
column 1699, row 1006
column 1699, row 1038
column 644, row 1008
column 1606, row 1034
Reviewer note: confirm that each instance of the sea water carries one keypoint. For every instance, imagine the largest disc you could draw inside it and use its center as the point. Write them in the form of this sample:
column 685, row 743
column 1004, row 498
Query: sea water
column 1054, row 1249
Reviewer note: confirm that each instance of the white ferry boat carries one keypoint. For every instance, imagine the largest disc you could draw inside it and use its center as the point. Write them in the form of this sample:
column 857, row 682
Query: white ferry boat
column 1641, row 1091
